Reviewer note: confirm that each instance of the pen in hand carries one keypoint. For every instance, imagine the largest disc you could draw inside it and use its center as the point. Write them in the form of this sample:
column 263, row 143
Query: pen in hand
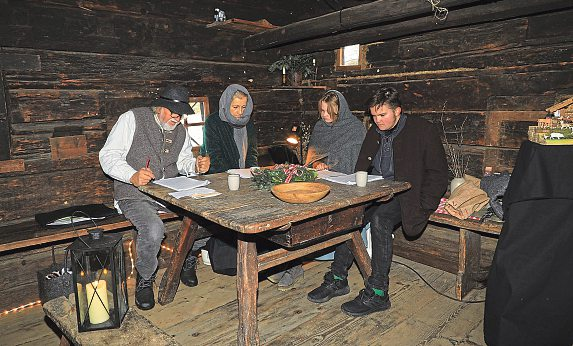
column 147, row 164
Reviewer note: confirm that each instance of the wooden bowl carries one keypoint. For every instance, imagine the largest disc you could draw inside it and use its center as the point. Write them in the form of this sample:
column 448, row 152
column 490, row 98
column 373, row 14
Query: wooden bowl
column 300, row 192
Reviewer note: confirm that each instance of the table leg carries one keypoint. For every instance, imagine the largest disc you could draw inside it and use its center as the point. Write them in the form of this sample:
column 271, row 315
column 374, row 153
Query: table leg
column 469, row 255
column 357, row 247
column 186, row 236
column 247, row 286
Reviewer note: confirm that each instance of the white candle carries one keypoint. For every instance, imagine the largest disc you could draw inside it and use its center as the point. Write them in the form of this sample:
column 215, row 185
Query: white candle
column 313, row 62
column 98, row 307
column 284, row 70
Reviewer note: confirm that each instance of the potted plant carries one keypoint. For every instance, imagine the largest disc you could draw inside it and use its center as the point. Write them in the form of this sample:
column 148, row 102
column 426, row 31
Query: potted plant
column 298, row 67
column 457, row 160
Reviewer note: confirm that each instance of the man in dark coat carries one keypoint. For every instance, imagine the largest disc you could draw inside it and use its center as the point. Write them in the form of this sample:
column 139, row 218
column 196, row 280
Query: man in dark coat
column 400, row 147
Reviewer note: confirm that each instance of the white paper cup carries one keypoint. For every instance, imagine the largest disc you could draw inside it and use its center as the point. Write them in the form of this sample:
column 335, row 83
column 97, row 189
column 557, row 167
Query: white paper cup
column 361, row 178
column 234, row 181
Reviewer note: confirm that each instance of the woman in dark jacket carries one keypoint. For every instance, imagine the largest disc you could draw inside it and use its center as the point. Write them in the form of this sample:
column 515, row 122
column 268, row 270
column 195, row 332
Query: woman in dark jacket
column 230, row 142
column 230, row 136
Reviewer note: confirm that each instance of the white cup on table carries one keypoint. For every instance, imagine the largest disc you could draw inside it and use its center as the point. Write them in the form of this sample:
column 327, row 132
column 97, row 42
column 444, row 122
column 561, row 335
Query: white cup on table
column 234, row 181
column 361, row 178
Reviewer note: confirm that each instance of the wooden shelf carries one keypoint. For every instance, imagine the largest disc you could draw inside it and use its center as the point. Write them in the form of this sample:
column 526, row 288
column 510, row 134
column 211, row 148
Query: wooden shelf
column 235, row 24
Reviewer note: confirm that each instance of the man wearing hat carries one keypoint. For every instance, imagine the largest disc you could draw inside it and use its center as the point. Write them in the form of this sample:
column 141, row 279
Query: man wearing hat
column 147, row 143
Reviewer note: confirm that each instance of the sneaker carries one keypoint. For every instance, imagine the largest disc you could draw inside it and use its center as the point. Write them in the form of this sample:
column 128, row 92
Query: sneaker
column 366, row 303
column 189, row 271
column 329, row 289
column 289, row 278
column 144, row 297
column 276, row 277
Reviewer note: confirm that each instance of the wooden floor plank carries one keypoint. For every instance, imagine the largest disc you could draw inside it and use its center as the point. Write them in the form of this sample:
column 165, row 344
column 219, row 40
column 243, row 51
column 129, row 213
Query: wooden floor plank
column 207, row 314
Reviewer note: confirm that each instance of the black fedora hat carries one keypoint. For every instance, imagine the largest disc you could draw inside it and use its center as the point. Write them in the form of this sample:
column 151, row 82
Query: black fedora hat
column 175, row 98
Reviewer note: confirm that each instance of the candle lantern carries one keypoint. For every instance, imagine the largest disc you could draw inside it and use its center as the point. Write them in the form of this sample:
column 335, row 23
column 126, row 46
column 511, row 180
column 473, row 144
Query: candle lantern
column 100, row 287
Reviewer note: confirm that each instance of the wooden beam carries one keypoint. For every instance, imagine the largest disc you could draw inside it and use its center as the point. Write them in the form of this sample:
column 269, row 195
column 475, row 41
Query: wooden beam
column 381, row 11
column 483, row 13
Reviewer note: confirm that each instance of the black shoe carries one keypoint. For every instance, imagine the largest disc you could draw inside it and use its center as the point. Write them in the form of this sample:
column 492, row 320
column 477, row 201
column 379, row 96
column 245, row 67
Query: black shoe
column 144, row 298
column 329, row 289
column 366, row 303
column 188, row 272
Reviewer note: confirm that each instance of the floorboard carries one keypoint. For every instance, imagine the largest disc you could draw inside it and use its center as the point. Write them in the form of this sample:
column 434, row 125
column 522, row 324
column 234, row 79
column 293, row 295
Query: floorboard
column 207, row 314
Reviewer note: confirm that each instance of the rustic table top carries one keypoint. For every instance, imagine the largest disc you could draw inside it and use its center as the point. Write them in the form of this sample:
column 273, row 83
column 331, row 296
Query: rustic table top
column 249, row 210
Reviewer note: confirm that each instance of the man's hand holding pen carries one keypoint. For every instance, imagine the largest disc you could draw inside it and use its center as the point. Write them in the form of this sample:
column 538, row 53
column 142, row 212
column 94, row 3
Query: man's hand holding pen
column 143, row 176
column 202, row 164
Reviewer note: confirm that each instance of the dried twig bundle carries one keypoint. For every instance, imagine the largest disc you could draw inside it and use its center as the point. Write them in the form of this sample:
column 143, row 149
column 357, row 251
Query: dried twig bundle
column 457, row 160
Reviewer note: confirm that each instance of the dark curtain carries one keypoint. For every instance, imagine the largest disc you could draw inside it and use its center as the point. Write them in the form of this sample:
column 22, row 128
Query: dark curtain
column 529, row 299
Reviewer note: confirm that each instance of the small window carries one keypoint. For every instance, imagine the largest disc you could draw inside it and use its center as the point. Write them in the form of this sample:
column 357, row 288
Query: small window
column 350, row 58
column 194, row 122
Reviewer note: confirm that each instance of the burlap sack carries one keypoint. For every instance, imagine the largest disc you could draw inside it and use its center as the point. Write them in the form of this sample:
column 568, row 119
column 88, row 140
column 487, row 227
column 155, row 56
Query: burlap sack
column 466, row 198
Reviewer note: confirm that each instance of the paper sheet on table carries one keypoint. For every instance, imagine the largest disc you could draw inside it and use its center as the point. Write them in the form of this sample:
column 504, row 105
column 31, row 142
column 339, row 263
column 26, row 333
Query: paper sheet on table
column 197, row 193
column 181, row 183
column 350, row 179
column 245, row 173
column 324, row 174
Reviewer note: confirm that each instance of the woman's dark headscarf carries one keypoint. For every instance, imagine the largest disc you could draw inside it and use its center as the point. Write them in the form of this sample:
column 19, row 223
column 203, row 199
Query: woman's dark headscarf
column 340, row 140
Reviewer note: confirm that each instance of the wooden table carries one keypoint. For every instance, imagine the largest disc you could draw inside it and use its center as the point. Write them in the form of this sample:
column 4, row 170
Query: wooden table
column 301, row 229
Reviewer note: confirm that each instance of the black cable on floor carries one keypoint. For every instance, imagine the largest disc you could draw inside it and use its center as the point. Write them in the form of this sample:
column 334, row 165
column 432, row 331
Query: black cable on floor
column 435, row 290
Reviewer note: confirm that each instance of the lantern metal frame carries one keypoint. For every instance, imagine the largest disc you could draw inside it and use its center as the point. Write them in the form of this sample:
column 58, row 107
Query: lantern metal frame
column 99, row 280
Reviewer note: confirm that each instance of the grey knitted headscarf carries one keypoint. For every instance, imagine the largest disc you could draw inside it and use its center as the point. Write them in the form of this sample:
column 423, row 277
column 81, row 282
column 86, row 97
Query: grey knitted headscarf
column 340, row 140
column 239, row 129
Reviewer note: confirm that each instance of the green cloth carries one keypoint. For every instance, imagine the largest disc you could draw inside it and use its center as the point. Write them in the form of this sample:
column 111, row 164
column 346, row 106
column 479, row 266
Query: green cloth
column 219, row 144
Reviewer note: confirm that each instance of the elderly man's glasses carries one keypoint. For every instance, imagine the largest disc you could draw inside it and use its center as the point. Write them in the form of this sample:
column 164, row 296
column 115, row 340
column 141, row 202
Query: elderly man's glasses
column 174, row 115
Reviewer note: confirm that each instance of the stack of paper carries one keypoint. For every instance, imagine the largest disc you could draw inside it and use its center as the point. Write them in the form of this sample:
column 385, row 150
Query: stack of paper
column 181, row 183
column 197, row 193
column 347, row 179
column 186, row 187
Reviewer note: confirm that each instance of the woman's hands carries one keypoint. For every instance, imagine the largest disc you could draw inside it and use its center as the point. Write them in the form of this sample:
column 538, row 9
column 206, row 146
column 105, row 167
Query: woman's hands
column 202, row 164
column 319, row 166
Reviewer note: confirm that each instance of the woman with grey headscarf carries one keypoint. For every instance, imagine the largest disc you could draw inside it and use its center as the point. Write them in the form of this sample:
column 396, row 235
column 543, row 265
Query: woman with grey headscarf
column 337, row 137
column 230, row 141
column 230, row 136
column 334, row 144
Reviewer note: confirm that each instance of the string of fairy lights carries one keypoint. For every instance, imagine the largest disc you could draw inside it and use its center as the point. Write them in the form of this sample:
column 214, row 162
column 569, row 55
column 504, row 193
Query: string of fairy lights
column 39, row 302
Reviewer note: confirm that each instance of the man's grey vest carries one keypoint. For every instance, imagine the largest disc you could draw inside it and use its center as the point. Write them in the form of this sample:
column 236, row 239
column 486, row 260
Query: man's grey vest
column 150, row 142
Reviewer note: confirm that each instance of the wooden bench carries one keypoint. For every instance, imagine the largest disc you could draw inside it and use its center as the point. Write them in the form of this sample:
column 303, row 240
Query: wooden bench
column 469, row 249
column 30, row 233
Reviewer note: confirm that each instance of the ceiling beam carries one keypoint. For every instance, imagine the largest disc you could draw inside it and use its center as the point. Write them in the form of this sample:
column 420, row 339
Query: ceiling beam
column 374, row 13
column 500, row 10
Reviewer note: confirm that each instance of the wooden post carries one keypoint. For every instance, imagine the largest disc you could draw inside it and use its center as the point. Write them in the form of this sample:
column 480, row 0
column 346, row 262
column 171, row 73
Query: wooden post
column 469, row 255
column 188, row 232
column 247, row 285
